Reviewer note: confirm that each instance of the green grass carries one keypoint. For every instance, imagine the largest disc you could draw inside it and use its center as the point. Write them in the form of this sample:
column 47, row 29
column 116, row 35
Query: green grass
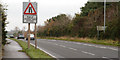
column 86, row 40
column 32, row 52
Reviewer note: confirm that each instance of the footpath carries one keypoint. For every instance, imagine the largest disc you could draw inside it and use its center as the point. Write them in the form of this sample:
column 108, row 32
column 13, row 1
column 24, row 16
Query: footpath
column 11, row 51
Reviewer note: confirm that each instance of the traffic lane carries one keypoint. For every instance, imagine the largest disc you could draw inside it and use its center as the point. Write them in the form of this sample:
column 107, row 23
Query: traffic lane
column 85, row 52
column 62, row 51
column 102, row 51
column 85, row 44
column 90, row 44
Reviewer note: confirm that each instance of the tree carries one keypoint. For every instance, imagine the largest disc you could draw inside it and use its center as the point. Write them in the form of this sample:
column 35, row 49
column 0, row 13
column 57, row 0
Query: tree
column 90, row 6
column 17, row 31
column 56, row 26
column 85, row 24
column 3, row 18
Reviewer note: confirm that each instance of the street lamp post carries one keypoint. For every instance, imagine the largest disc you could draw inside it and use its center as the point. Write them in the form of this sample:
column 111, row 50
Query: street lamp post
column 104, row 14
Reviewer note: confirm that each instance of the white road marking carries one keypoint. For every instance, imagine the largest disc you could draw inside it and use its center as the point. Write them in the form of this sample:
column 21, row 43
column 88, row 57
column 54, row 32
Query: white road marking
column 62, row 46
column 72, row 48
column 107, row 58
column 66, row 41
column 88, row 53
column 103, row 47
column 56, row 44
column 44, row 51
column 85, row 44
column 78, row 43
column 52, row 40
column 104, row 57
column 113, row 49
column 90, row 45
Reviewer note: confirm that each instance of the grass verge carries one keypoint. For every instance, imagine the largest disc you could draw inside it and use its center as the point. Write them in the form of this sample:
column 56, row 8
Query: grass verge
column 32, row 52
column 85, row 40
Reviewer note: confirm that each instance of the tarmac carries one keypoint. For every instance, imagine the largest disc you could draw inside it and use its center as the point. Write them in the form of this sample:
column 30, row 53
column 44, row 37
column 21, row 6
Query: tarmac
column 11, row 51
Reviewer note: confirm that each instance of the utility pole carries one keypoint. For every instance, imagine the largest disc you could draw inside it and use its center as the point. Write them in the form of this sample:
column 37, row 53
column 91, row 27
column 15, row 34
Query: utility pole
column 104, row 14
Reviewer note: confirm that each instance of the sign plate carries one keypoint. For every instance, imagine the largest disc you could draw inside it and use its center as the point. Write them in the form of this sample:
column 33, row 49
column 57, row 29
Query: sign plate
column 100, row 28
column 29, row 12
column 29, row 19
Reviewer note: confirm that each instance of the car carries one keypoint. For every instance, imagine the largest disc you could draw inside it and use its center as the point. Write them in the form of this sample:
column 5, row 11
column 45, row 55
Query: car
column 20, row 36
column 11, row 36
column 31, row 37
column 7, row 36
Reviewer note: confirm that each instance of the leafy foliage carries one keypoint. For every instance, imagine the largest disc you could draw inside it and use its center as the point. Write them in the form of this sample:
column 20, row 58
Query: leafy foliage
column 85, row 24
column 3, row 18
column 56, row 26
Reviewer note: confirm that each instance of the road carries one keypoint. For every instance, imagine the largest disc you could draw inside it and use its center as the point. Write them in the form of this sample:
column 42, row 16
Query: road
column 67, row 49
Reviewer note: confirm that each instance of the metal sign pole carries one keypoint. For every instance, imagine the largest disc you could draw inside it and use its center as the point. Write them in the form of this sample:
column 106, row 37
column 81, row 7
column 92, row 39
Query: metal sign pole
column 98, row 34
column 28, row 35
column 35, row 37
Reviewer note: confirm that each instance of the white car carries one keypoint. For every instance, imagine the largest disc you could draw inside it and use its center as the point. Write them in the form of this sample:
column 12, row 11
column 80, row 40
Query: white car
column 32, row 37
column 20, row 36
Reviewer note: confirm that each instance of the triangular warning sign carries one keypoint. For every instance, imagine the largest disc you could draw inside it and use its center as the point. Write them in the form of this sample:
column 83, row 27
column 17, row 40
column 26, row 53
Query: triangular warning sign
column 30, row 10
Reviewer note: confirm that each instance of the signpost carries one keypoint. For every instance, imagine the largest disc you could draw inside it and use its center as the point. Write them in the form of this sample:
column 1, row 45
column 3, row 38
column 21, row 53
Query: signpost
column 30, row 12
column 35, row 37
column 30, row 16
column 100, row 28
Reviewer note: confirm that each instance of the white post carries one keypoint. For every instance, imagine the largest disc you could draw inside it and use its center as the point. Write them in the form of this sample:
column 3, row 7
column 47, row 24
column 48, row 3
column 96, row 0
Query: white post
column 104, row 14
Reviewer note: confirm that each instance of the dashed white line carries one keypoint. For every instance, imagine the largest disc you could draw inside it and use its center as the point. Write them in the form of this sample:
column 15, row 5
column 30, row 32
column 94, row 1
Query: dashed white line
column 90, row 45
column 52, row 40
column 56, row 44
column 98, row 46
column 88, row 53
column 102, row 47
column 85, row 44
column 62, row 46
column 104, row 57
column 78, row 43
column 113, row 49
column 72, row 48
column 107, row 58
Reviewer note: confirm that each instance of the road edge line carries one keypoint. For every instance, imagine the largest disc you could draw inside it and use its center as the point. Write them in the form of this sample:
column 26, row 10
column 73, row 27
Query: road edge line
column 45, row 51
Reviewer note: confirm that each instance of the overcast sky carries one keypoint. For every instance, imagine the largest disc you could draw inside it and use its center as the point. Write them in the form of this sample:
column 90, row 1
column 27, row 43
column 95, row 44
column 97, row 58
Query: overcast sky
column 46, row 10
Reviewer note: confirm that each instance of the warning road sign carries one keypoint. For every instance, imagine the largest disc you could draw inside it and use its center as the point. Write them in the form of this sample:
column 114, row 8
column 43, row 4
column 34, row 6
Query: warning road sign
column 29, row 12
